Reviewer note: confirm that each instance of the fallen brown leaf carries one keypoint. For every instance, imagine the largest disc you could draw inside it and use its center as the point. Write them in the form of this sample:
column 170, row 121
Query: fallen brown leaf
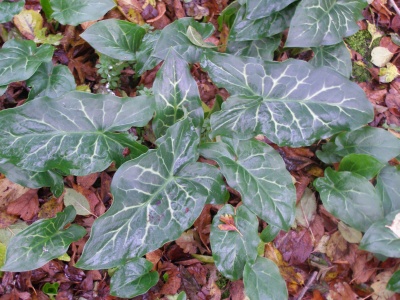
column 26, row 206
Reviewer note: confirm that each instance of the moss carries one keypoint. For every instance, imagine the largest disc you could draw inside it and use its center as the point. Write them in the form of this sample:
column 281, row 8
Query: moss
column 360, row 74
column 222, row 284
column 359, row 42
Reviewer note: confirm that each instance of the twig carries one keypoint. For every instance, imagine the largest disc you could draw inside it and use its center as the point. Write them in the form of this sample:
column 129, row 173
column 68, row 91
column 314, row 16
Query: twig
column 307, row 286
column 395, row 7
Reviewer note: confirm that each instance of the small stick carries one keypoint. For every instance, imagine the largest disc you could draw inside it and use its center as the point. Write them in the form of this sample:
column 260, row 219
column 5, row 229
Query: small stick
column 308, row 285
column 395, row 7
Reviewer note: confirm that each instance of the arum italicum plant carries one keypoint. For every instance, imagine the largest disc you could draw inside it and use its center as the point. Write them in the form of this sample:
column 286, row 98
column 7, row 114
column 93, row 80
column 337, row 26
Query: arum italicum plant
column 159, row 193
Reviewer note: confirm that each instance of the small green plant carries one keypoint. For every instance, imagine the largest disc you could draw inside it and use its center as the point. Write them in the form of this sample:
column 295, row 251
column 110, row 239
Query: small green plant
column 159, row 193
column 110, row 70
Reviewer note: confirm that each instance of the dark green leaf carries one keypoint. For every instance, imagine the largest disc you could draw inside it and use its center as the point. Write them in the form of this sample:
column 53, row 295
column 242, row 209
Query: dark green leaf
column 350, row 197
column 51, row 288
column 257, row 9
column 9, row 9
column 336, row 57
column 133, row 278
column 42, row 241
column 263, row 49
column 321, row 22
column 172, row 36
column 51, row 81
column 394, row 282
column 262, row 281
column 244, row 29
column 156, row 197
column 75, row 12
column 227, row 16
column 176, row 95
column 232, row 249
column 116, row 38
column 258, row 172
column 388, row 188
column 19, row 60
column 376, row 142
column 144, row 60
column 381, row 239
column 292, row 103
column 78, row 133
column 269, row 233
column 31, row 179
column 362, row 164
column 46, row 7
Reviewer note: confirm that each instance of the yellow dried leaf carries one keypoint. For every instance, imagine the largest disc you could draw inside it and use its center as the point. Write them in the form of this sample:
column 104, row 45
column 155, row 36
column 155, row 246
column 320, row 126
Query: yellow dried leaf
column 389, row 73
column 28, row 23
column 375, row 33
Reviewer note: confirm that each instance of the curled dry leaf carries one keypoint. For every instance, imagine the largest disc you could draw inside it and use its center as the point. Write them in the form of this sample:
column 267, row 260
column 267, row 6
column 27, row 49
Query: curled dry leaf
column 229, row 224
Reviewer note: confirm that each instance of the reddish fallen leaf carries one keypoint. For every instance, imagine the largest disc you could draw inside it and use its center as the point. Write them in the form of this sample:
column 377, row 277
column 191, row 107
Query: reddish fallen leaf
column 173, row 283
column 189, row 283
column 203, row 225
column 229, row 223
column 187, row 242
column 6, row 219
column 236, row 290
column 26, row 206
column 295, row 246
column 342, row 290
column 154, row 257
column 88, row 180
column 364, row 267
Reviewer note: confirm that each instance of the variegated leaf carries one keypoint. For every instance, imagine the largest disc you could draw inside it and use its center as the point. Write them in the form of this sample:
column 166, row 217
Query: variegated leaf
column 176, row 95
column 9, row 9
column 336, row 57
column 292, row 103
column 156, row 197
column 19, row 60
column 77, row 133
column 388, row 188
column 244, row 29
column 258, row 172
column 42, row 241
column 232, row 249
column 257, row 9
column 324, row 22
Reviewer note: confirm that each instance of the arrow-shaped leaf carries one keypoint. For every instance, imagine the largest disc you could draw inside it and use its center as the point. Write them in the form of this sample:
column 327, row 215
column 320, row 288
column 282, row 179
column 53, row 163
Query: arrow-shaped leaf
column 156, row 197
column 324, row 22
column 292, row 103
column 262, row 281
column 42, row 241
column 233, row 248
column 133, row 278
column 115, row 38
column 19, row 60
column 350, row 197
column 51, row 81
column 258, row 172
column 176, row 95
column 78, row 133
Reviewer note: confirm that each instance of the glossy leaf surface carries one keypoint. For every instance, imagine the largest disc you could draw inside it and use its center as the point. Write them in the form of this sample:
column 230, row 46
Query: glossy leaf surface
column 388, row 188
column 232, row 249
column 9, row 9
column 257, row 9
column 176, row 95
column 262, row 281
column 19, row 60
column 32, row 179
column 362, row 164
column 337, row 57
column 156, row 197
column 51, row 81
column 350, row 197
column 259, row 174
column 244, row 29
column 174, row 36
column 133, row 278
column 376, row 142
column 78, row 133
column 292, row 103
column 380, row 239
column 75, row 12
column 42, row 241
column 116, row 38
column 324, row 22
